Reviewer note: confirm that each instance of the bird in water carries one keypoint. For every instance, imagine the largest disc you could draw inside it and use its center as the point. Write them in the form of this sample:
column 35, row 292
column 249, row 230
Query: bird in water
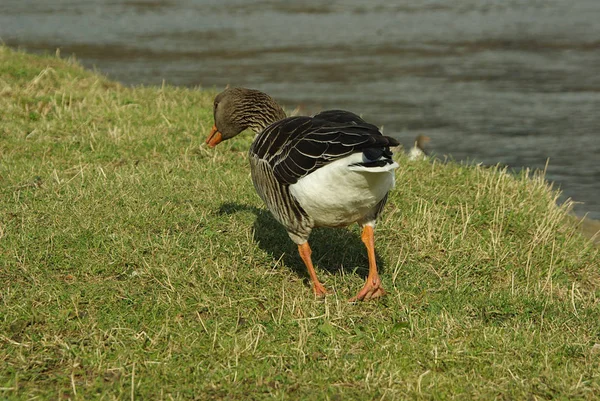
column 418, row 152
column 330, row 170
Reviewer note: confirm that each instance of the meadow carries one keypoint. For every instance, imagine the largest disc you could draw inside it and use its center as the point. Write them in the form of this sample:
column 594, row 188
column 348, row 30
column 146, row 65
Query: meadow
column 136, row 263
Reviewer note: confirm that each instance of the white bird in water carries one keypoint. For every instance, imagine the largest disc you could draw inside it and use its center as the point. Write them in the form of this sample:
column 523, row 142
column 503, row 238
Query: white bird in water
column 418, row 152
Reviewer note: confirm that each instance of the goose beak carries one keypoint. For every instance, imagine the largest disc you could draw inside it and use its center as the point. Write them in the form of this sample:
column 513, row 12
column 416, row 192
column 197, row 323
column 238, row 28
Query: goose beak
column 214, row 137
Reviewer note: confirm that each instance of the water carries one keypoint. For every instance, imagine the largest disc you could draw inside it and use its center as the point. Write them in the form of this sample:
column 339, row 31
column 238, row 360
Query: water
column 509, row 82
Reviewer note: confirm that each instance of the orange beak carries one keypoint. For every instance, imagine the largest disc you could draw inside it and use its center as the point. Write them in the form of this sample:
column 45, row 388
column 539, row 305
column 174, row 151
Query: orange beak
column 214, row 138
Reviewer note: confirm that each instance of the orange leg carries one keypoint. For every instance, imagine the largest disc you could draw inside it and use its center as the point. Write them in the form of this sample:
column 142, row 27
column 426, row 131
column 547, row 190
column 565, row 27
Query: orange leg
column 372, row 288
column 304, row 251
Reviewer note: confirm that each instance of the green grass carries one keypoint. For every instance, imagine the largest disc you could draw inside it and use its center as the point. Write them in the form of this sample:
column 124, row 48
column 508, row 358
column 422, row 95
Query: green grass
column 137, row 263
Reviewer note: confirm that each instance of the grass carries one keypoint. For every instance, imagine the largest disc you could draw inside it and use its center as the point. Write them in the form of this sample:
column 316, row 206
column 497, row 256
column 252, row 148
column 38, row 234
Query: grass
column 137, row 263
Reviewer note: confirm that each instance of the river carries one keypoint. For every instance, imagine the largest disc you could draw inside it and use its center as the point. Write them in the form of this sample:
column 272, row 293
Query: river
column 509, row 82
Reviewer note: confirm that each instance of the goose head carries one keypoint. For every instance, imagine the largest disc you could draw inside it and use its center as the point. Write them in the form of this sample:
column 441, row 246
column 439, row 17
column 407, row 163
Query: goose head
column 237, row 109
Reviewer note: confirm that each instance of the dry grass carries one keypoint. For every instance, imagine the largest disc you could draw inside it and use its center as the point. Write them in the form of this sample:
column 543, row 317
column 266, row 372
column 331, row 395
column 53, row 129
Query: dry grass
column 136, row 263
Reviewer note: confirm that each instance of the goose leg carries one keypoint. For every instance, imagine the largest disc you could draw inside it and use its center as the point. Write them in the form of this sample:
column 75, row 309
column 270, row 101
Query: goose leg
column 305, row 252
column 372, row 288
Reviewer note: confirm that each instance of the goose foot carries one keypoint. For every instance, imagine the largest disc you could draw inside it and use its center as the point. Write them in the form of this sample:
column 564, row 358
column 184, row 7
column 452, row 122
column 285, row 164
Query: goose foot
column 319, row 290
column 371, row 290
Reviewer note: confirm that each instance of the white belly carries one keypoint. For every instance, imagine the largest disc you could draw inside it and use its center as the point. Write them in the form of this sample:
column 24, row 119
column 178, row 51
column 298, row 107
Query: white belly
column 338, row 194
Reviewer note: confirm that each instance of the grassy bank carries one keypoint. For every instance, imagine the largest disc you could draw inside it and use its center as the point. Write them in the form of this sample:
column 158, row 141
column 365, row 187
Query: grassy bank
column 137, row 263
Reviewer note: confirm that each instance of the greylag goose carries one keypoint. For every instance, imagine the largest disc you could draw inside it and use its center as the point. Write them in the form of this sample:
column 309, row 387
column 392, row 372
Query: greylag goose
column 329, row 170
column 418, row 152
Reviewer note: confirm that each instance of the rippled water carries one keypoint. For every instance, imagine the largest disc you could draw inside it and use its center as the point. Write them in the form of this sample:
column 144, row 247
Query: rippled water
column 510, row 82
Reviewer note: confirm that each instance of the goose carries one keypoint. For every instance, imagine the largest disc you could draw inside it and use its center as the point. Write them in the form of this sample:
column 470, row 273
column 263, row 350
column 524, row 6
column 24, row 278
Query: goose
column 330, row 170
column 418, row 152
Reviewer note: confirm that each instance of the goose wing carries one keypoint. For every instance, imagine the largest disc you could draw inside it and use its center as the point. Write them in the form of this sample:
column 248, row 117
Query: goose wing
column 342, row 117
column 296, row 146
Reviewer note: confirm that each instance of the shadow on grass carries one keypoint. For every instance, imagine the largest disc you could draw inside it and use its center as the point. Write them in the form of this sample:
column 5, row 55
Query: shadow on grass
column 333, row 249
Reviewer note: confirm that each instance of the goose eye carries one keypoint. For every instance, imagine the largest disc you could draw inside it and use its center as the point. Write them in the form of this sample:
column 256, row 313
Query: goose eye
column 216, row 104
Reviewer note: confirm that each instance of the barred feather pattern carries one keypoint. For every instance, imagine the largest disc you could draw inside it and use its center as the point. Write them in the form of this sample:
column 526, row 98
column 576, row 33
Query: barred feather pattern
column 256, row 111
column 279, row 201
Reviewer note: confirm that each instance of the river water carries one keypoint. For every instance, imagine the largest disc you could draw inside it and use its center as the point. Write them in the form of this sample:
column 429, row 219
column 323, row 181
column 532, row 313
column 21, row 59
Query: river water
column 509, row 82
